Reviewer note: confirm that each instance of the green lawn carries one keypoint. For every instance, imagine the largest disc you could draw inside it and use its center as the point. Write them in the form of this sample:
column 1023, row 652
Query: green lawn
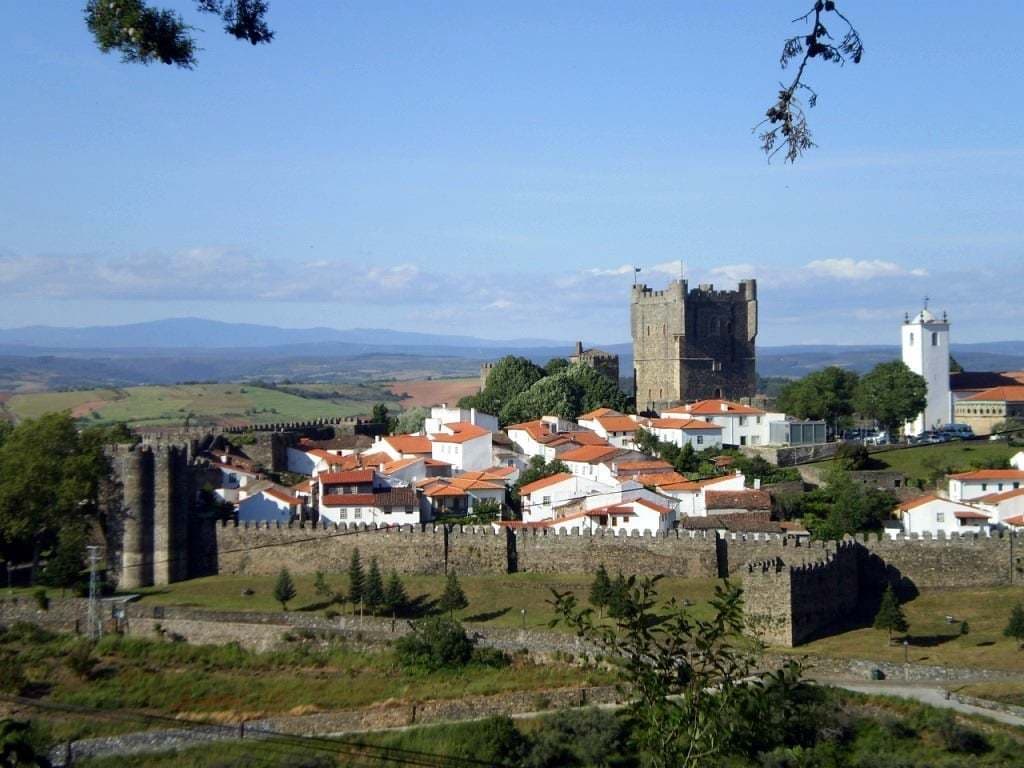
column 932, row 640
column 1006, row 693
column 200, row 404
column 494, row 600
column 921, row 463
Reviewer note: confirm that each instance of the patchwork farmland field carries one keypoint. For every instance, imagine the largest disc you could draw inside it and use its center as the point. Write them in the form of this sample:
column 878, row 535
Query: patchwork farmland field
column 430, row 392
column 200, row 404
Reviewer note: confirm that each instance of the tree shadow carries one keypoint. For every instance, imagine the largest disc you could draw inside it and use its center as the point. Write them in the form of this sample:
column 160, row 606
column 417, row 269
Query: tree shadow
column 487, row 615
column 985, row 643
column 419, row 607
column 930, row 641
column 310, row 607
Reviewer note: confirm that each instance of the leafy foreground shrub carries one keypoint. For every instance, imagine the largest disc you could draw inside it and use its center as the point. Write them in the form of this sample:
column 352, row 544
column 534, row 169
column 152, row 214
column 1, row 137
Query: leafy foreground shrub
column 441, row 643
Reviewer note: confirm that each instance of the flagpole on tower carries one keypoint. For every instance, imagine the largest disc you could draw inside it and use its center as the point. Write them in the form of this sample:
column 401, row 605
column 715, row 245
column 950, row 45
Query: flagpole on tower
column 636, row 271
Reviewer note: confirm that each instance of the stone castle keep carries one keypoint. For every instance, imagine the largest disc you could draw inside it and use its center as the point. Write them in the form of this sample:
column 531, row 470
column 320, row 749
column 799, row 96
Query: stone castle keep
column 693, row 344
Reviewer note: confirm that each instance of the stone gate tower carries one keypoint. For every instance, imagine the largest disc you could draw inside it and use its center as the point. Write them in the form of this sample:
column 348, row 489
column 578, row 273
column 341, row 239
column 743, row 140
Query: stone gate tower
column 693, row 344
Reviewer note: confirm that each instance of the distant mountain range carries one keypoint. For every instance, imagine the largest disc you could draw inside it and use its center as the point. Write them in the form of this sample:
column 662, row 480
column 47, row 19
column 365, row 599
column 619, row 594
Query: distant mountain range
column 197, row 333
column 191, row 349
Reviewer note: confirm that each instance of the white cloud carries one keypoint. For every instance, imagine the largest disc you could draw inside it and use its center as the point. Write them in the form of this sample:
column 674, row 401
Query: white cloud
column 859, row 270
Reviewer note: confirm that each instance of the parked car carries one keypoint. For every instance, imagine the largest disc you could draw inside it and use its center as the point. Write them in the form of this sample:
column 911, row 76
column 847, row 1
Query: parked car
column 957, row 431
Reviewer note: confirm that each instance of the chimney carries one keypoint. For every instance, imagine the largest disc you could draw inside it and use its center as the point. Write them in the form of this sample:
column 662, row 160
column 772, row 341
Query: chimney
column 724, row 406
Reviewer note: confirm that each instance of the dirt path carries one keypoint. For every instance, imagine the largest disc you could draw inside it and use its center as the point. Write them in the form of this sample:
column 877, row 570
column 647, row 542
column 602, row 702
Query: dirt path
column 930, row 695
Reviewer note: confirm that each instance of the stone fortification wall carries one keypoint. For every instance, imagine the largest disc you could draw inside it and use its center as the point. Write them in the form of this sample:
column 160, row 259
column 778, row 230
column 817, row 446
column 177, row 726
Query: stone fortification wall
column 786, row 604
column 959, row 561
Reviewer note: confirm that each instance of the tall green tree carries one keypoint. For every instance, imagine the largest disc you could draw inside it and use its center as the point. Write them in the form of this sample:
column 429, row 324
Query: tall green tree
column 322, row 588
column 453, row 598
column 356, row 579
column 600, row 589
column 50, row 476
column 698, row 694
column 373, row 594
column 890, row 614
column 411, row 420
column 66, row 562
column 892, row 394
column 827, row 394
column 842, row 506
column 284, row 588
column 395, row 597
column 1015, row 626
column 509, row 376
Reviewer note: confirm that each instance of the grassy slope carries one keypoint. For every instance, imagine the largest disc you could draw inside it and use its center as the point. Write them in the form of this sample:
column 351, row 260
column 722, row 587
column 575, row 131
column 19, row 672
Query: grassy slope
column 208, row 403
column 933, row 641
column 496, row 600
column 918, row 462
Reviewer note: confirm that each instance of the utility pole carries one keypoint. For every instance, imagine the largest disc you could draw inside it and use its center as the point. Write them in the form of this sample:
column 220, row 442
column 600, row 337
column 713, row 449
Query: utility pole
column 95, row 628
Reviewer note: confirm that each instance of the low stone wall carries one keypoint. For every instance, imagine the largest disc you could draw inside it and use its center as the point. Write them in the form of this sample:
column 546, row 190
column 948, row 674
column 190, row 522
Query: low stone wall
column 824, row 668
column 266, row 631
column 68, row 614
column 792, row 455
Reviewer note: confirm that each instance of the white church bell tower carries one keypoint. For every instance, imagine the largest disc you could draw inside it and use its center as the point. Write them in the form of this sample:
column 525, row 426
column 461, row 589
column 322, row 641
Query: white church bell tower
column 926, row 352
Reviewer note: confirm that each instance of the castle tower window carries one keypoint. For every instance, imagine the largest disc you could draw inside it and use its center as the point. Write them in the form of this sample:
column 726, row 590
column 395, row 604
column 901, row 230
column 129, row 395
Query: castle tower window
column 935, row 339
column 911, row 339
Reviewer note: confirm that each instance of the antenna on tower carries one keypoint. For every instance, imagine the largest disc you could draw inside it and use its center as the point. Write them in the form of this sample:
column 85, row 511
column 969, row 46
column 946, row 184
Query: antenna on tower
column 926, row 302
column 636, row 271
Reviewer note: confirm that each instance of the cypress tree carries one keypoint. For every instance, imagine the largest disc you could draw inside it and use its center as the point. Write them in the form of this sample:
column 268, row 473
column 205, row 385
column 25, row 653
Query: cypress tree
column 617, row 596
column 356, row 579
column 322, row 588
column 284, row 588
column 1015, row 626
column 890, row 615
column 395, row 598
column 600, row 589
column 453, row 598
column 373, row 592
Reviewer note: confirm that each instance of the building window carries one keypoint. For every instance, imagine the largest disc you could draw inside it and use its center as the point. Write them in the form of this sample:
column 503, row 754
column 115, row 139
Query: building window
column 343, row 514
column 911, row 339
column 940, row 517
column 935, row 339
column 546, row 500
column 408, row 510
column 389, row 510
column 357, row 514
column 700, row 439
column 984, row 486
column 743, row 421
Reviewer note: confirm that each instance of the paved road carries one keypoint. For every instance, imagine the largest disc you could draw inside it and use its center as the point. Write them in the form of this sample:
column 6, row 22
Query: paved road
column 935, row 697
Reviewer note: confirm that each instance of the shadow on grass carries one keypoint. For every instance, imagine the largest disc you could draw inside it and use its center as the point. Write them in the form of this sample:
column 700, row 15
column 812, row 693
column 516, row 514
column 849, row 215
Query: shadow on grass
column 930, row 641
column 480, row 618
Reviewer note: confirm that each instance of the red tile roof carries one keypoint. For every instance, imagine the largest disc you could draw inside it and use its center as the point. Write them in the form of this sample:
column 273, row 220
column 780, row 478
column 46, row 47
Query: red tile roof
column 717, row 408
column 1015, row 520
column 970, row 514
column 659, row 479
column 684, row 424
column 746, row 499
column 409, row 443
column 544, row 482
column 617, row 424
column 589, row 454
column 996, row 498
column 1000, row 394
column 463, row 433
column 649, row 465
column 598, row 413
column 584, row 437
column 352, row 476
column 989, row 474
column 906, row 506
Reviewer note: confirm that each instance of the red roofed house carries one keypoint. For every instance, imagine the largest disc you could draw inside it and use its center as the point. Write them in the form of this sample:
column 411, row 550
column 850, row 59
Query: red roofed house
column 463, row 445
column 270, row 504
column 550, row 436
column 460, row 495
column 634, row 516
column 934, row 514
column 741, row 424
column 1002, row 507
column 699, row 433
column 692, row 495
column 987, row 408
column 617, row 429
column 364, row 496
column 966, row 486
column 402, row 446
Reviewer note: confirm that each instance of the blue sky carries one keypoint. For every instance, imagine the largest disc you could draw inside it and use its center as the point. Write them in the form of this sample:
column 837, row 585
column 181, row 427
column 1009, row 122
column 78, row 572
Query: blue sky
column 494, row 169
